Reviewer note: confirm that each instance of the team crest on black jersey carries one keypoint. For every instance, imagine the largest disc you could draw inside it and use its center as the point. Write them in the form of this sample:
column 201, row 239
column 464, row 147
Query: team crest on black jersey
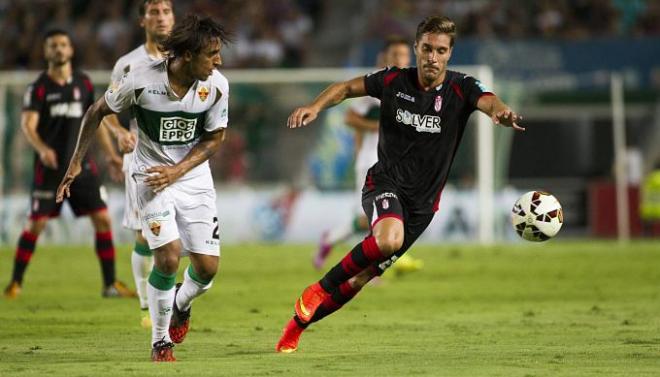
column 76, row 93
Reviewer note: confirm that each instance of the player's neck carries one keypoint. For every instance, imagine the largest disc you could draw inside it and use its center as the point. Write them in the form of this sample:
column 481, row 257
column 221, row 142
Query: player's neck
column 153, row 48
column 180, row 79
column 60, row 73
column 425, row 86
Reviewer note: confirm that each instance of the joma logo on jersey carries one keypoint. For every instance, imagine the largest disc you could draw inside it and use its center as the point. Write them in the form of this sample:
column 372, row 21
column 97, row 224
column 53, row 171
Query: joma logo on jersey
column 177, row 129
column 426, row 123
column 67, row 109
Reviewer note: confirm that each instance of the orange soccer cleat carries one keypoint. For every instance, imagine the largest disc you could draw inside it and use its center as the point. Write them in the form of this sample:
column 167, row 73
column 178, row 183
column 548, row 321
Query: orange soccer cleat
column 309, row 301
column 118, row 289
column 13, row 290
column 290, row 337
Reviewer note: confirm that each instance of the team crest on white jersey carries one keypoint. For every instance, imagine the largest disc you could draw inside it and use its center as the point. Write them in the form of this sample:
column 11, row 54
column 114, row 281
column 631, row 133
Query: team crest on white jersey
column 203, row 93
column 438, row 104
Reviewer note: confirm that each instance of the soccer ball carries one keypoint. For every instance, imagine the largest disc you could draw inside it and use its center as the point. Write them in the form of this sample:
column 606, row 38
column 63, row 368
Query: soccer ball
column 537, row 216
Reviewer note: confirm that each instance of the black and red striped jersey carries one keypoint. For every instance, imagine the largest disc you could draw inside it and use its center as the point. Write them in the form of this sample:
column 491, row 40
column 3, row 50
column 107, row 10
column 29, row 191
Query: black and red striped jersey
column 419, row 132
column 61, row 109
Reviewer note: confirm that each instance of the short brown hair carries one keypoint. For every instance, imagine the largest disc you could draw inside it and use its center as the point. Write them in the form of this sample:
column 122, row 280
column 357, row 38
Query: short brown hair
column 144, row 3
column 394, row 40
column 437, row 24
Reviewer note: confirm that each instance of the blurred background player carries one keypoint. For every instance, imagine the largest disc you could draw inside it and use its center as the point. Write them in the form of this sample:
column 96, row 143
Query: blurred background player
column 157, row 19
column 181, row 105
column 53, row 107
column 363, row 116
column 424, row 111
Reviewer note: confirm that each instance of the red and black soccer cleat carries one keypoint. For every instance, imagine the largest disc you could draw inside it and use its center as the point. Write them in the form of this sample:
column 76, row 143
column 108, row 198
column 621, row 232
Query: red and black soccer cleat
column 162, row 352
column 309, row 301
column 290, row 337
column 180, row 321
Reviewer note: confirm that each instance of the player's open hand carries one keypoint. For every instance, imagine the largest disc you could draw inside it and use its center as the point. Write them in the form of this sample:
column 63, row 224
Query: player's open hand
column 508, row 118
column 64, row 189
column 301, row 116
column 126, row 142
column 48, row 157
column 161, row 177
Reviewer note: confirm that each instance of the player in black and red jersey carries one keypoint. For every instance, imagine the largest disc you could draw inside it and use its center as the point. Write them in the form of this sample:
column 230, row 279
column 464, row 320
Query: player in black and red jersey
column 424, row 111
column 52, row 113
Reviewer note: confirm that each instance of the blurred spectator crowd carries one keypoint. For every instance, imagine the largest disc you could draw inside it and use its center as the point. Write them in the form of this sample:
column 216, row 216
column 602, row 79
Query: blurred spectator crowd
column 267, row 33
column 277, row 33
column 558, row 19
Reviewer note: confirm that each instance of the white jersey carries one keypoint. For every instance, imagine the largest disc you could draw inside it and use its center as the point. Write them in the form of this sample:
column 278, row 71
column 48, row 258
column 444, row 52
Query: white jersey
column 135, row 58
column 169, row 126
column 367, row 155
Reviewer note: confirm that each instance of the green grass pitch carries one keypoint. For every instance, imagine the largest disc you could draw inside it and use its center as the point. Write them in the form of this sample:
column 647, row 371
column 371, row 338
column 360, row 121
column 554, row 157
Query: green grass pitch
column 556, row 309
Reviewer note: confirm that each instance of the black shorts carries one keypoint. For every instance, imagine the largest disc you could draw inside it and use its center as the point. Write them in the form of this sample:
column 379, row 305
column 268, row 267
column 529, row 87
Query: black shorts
column 85, row 192
column 383, row 202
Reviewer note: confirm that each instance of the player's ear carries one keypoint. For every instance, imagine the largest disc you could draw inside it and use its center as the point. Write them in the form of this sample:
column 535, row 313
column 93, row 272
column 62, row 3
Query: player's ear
column 187, row 56
column 415, row 48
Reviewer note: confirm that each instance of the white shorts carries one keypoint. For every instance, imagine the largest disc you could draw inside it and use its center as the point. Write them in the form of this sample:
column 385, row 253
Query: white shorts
column 185, row 210
column 131, row 218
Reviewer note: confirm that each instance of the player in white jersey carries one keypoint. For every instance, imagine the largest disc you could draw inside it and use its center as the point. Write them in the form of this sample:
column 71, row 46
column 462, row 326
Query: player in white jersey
column 363, row 116
column 157, row 19
column 181, row 107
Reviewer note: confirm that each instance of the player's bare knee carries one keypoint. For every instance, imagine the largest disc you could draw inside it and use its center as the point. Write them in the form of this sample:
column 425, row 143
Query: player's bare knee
column 168, row 264
column 101, row 221
column 166, row 260
column 36, row 226
column 389, row 243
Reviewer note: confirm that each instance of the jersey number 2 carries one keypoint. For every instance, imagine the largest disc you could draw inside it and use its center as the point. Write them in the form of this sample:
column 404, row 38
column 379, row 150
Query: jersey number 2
column 216, row 233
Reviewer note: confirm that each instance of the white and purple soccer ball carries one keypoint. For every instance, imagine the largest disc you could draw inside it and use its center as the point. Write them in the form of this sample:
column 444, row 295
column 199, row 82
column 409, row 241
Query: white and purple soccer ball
column 537, row 216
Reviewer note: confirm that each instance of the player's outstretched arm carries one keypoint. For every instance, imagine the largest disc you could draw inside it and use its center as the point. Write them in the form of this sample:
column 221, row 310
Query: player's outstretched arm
column 330, row 96
column 499, row 112
column 90, row 124
column 163, row 176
